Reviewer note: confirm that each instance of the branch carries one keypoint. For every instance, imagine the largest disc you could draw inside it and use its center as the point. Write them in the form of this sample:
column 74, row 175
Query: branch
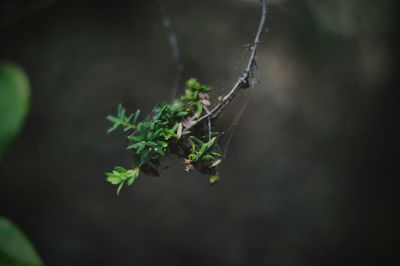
column 244, row 80
column 173, row 43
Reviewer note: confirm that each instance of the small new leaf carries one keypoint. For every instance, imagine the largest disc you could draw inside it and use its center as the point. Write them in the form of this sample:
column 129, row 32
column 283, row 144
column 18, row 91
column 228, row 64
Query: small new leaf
column 216, row 162
column 121, row 120
column 120, row 176
column 213, row 179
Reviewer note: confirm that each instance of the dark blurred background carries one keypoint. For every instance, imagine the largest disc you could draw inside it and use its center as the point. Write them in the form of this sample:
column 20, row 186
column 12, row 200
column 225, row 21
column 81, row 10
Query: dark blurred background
column 307, row 177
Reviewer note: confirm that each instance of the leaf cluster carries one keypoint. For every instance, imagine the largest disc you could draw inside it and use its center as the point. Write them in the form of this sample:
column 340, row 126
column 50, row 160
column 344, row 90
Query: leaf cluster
column 168, row 130
column 121, row 120
column 120, row 176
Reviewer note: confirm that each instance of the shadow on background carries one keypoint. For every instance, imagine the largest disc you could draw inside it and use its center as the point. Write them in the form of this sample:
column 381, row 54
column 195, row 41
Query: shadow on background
column 306, row 181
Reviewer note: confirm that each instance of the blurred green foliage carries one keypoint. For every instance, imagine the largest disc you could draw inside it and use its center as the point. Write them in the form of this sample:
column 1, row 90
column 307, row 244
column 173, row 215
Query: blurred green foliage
column 14, row 103
column 15, row 248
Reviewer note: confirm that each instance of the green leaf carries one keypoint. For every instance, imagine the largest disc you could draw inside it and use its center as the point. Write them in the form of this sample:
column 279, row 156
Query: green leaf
column 136, row 117
column 162, row 143
column 113, row 128
column 14, row 103
column 211, row 142
column 135, row 146
column 213, row 179
column 175, row 127
column 143, row 128
column 216, row 154
column 205, row 89
column 120, row 187
column 203, row 148
column 135, row 138
column 152, row 144
column 121, row 120
column 120, row 110
column 193, row 157
column 120, row 169
column 123, row 176
column 193, row 84
column 207, row 158
column 135, row 173
column 141, row 147
column 113, row 179
column 131, row 180
column 182, row 113
column 196, row 140
column 160, row 151
column 156, row 133
column 215, row 163
column 15, row 247
column 206, row 146
column 112, row 119
column 199, row 109
column 185, row 132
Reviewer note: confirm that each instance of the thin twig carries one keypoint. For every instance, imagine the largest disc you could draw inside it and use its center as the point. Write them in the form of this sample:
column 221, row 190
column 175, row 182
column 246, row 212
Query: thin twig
column 244, row 80
column 173, row 43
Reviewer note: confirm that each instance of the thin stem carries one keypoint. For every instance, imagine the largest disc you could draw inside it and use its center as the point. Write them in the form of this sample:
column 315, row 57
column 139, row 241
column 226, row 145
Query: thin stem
column 173, row 43
column 244, row 80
